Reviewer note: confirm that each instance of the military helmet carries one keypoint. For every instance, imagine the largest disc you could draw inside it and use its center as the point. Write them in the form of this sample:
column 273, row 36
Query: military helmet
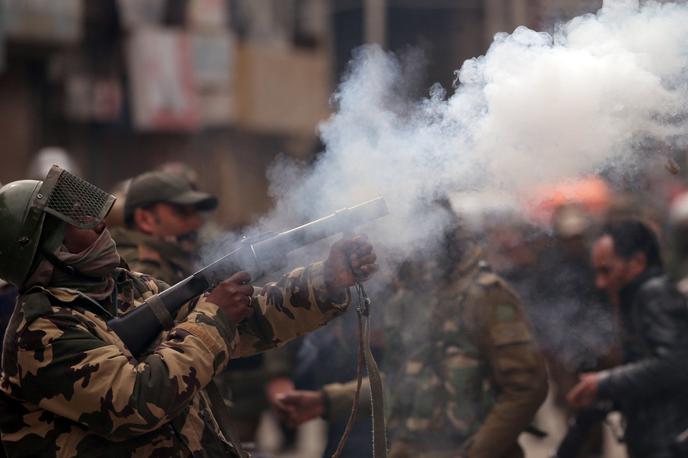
column 24, row 206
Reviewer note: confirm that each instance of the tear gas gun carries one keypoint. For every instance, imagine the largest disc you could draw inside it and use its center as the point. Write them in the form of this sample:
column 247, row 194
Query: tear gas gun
column 139, row 328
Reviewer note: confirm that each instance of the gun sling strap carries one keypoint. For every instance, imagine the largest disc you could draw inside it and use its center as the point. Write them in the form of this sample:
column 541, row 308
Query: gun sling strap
column 376, row 390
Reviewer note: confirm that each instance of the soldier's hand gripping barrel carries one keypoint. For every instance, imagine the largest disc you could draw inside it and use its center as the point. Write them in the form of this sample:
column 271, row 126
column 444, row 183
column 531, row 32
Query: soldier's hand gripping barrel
column 139, row 328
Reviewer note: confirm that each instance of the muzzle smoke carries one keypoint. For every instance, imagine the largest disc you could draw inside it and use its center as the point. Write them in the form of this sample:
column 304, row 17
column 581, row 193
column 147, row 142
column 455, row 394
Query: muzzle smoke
column 536, row 108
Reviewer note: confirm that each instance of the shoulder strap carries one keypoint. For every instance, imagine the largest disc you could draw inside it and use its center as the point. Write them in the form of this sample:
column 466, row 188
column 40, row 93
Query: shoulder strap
column 375, row 379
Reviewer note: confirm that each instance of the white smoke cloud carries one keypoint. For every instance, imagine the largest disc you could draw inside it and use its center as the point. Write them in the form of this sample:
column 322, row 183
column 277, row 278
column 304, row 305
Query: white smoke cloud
column 536, row 108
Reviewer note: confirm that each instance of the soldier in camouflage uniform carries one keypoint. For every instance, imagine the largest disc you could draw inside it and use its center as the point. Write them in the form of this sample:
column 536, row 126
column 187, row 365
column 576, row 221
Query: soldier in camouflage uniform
column 70, row 387
column 162, row 214
column 463, row 373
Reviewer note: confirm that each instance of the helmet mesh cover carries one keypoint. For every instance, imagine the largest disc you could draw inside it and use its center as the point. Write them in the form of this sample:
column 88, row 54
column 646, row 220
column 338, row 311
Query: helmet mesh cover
column 78, row 202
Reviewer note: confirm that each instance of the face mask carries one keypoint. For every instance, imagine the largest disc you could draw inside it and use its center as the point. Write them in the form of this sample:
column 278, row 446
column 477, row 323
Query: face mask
column 98, row 260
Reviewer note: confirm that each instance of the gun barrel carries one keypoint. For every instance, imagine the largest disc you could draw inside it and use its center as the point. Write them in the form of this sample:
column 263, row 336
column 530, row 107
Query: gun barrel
column 340, row 221
column 138, row 328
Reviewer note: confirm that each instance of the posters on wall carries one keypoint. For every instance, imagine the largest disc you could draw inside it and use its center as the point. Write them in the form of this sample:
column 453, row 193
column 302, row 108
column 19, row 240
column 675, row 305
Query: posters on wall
column 181, row 80
column 91, row 98
column 207, row 14
column 213, row 57
column 213, row 66
column 162, row 87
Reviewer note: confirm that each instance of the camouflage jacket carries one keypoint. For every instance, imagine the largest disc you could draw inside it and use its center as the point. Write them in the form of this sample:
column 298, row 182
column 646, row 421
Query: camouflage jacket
column 70, row 387
column 162, row 259
column 467, row 377
column 243, row 386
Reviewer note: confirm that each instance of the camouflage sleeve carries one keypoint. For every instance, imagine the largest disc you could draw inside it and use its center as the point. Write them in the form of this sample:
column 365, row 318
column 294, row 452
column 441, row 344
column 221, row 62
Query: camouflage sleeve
column 339, row 398
column 68, row 367
column 517, row 367
column 296, row 304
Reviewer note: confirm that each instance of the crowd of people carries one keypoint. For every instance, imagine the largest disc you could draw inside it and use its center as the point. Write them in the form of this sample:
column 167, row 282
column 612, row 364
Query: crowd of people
column 471, row 331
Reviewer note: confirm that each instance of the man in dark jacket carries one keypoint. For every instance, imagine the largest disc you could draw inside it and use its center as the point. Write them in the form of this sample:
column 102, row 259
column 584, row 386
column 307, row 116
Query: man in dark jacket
column 651, row 386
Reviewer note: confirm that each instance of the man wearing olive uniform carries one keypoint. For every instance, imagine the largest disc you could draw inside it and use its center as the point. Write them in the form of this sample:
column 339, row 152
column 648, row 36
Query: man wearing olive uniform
column 69, row 385
column 463, row 373
column 162, row 214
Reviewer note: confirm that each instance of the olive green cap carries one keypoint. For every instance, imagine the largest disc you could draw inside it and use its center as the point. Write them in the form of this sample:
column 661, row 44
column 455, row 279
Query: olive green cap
column 156, row 187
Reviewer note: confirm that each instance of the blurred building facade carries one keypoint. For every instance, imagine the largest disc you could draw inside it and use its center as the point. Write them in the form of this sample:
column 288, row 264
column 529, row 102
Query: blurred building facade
column 224, row 85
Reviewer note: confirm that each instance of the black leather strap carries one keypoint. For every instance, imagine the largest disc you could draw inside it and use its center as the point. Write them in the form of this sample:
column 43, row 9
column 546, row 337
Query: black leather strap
column 160, row 311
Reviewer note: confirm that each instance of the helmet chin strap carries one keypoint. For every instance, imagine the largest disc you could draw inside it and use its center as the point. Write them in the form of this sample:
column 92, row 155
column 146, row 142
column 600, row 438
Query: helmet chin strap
column 70, row 270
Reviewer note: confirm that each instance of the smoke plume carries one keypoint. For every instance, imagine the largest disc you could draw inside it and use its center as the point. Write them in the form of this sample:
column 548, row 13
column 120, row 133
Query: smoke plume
column 536, row 108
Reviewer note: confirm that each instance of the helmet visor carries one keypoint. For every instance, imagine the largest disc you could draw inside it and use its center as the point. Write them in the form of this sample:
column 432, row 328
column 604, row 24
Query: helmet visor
column 73, row 200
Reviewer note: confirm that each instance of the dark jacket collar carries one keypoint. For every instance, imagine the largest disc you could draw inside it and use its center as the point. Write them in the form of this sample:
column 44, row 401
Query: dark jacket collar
column 628, row 292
